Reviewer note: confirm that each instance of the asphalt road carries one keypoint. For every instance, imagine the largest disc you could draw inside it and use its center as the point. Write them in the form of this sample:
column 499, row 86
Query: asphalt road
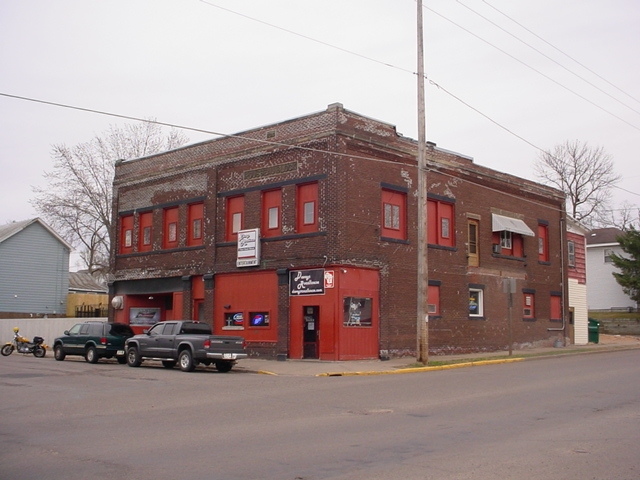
column 575, row 417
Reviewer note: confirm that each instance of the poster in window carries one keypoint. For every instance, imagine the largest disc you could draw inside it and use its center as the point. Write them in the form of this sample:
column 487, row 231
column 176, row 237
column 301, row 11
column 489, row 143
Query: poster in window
column 144, row 316
column 357, row 312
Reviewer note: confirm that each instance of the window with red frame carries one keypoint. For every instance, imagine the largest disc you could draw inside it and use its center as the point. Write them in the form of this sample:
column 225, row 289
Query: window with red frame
column 307, row 208
column 555, row 307
column 433, row 299
column 170, row 228
column 511, row 244
column 271, row 213
column 126, row 234
column 145, row 231
column 543, row 242
column 394, row 214
column 440, row 229
column 195, row 224
column 528, row 305
column 235, row 217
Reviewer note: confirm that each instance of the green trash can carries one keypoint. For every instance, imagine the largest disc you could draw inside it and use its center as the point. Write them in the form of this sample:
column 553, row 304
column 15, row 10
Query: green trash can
column 594, row 331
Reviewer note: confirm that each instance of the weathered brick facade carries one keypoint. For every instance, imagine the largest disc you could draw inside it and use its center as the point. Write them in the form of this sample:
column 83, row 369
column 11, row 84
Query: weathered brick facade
column 352, row 159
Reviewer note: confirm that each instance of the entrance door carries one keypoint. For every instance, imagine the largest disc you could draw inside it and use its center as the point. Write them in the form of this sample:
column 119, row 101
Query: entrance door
column 311, row 333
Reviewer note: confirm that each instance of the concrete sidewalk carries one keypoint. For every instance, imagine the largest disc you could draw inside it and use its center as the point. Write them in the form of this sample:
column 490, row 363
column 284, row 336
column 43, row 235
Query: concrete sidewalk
column 408, row 364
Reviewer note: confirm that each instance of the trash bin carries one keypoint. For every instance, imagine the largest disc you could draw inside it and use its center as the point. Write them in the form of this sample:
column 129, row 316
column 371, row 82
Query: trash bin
column 594, row 331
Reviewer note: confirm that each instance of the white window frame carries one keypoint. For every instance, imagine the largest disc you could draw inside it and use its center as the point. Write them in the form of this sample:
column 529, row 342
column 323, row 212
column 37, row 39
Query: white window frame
column 480, row 292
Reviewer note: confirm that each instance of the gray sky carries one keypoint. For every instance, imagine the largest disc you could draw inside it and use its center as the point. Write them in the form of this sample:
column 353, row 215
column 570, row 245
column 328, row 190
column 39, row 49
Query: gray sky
column 197, row 64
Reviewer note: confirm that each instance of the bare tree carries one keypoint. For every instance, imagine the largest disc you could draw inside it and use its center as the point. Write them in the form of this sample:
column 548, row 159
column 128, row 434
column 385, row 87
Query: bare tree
column 77, row 198
column 586, row 176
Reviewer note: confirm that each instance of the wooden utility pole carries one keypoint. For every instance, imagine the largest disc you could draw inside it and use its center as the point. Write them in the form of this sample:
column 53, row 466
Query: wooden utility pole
column 423, row 272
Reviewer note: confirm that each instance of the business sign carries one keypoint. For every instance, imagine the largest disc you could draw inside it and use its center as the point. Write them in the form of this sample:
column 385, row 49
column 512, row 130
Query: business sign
column 248, row 248
column 306, row 282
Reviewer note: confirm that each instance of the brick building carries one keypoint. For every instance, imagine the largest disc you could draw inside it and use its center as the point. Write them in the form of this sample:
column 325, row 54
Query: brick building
column 301, row 236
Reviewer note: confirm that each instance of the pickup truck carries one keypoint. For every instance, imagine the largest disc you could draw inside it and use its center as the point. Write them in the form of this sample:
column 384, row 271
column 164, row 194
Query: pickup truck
column 186, row 343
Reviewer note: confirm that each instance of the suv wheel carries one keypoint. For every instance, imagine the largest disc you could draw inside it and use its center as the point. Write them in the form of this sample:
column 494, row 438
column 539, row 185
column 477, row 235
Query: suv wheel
column 58, row 353
column 91, row 355
column 133, row 357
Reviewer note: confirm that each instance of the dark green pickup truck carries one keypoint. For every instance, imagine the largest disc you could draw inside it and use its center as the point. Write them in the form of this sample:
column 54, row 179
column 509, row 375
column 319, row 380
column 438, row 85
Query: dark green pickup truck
column 186, row 343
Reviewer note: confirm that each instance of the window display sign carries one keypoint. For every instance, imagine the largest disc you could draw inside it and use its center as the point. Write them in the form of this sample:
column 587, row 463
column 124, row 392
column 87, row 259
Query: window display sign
column 248, row 248
column 306, row 282
column 357, row 312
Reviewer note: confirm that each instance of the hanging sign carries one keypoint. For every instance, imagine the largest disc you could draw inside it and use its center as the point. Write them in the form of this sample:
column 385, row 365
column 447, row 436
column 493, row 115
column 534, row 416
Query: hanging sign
column 306, row 282
column 248, row 248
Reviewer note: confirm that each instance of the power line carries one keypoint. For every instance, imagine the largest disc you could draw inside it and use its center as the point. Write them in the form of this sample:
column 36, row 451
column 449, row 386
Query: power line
column 547, row 57
column 562, row 52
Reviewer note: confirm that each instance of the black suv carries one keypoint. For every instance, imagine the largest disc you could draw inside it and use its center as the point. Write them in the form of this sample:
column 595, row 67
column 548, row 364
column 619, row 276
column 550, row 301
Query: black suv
column 94, row 340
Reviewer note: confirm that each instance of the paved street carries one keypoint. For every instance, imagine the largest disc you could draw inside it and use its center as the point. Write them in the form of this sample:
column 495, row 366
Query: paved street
column 571, row 417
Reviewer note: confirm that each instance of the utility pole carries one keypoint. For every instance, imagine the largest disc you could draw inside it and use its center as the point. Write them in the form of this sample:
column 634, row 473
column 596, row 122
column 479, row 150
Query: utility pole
column 423, row 272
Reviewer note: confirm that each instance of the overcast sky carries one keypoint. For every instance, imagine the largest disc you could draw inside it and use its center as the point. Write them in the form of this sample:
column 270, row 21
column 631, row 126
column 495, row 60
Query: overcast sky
column 232, row 65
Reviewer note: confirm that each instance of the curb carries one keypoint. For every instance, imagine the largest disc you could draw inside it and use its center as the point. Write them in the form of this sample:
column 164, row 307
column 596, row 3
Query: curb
column 421, row 369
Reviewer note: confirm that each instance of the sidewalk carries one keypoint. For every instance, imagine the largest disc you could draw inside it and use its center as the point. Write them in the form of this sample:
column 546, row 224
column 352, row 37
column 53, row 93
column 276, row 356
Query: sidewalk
column 408, row 365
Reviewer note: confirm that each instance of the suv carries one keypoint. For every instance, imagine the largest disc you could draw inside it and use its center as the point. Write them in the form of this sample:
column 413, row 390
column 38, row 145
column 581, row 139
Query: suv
column 94, row 340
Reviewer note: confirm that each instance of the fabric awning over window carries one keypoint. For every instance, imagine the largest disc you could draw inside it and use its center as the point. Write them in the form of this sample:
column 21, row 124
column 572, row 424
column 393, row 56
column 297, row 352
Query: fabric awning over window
column 500, row 223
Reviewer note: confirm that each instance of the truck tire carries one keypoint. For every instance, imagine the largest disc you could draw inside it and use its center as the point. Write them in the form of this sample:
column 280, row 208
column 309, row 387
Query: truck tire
column 133, row 357
column 224, row 367
column 185, row 359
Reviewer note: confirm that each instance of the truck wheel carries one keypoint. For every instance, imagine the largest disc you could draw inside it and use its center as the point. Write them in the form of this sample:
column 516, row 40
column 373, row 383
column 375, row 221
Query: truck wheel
column 91, row 355
column 168, row 363
column 224, row 367
column 133, row 357
column 58, row 353
column 186, row 361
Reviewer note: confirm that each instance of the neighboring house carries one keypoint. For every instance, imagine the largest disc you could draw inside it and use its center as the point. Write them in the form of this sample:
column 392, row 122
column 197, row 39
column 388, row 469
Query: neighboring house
column 603, row 291
column 577, row 281
column 302, row 237
column 34, row 270
column 87, row 296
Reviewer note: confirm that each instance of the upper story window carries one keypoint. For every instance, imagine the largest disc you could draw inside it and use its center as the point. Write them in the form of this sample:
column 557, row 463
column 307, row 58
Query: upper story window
column 440, row 228
column 543, row 242
column 170, row 228
column 394, row 216
column 195, row 224
column 473, row 255
column 571, row 253
column 271, row 213
column 145, row 221
column 126, row 234
column 508, row 235
column 307, row 208
column 235, row 217
column 607, row 255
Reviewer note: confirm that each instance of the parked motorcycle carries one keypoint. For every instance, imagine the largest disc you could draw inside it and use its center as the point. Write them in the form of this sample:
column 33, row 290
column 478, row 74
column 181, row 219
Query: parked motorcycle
column 23, row 345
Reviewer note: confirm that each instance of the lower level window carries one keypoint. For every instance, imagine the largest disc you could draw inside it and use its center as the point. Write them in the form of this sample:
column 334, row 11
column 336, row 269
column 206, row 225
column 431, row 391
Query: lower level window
column 233, row 321
column 357, row 312
column 258, row 319
column 476, row 302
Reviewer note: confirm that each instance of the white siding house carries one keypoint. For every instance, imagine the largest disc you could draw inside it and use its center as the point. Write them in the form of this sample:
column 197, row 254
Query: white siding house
column 577, row 281
column 34, row 270
column 603, row 292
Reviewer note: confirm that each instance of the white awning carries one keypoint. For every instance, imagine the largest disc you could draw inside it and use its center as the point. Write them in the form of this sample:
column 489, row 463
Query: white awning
column 500, row 223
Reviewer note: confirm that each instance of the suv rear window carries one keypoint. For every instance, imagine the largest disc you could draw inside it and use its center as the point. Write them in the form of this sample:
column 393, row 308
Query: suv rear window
column 121, row 329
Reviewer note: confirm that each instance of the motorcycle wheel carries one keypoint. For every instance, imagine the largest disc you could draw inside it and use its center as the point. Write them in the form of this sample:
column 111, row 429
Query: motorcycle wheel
column 39, row 351
column 6, row 350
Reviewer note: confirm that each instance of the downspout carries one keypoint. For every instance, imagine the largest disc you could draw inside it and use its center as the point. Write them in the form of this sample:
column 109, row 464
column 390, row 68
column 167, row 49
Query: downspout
column 563, row 289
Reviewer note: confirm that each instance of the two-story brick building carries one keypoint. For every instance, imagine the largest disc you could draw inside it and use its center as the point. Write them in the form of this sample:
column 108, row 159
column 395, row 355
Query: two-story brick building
column 302, row 237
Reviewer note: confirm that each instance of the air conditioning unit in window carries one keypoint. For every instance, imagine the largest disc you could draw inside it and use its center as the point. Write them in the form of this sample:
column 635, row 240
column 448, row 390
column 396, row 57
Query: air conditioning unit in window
column 497, row 248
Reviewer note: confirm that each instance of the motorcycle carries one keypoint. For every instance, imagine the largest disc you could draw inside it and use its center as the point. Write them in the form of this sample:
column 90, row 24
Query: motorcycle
column 23, row 345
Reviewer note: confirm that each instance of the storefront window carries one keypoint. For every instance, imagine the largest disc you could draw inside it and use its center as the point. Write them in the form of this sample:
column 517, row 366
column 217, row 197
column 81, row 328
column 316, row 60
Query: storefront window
column 357, row 312
column 259, row 319
column 233, row 321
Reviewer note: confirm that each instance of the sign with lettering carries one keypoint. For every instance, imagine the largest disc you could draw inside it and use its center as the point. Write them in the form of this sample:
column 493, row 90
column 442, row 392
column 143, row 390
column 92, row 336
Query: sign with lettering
column 306, row 282
column 248, row 248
